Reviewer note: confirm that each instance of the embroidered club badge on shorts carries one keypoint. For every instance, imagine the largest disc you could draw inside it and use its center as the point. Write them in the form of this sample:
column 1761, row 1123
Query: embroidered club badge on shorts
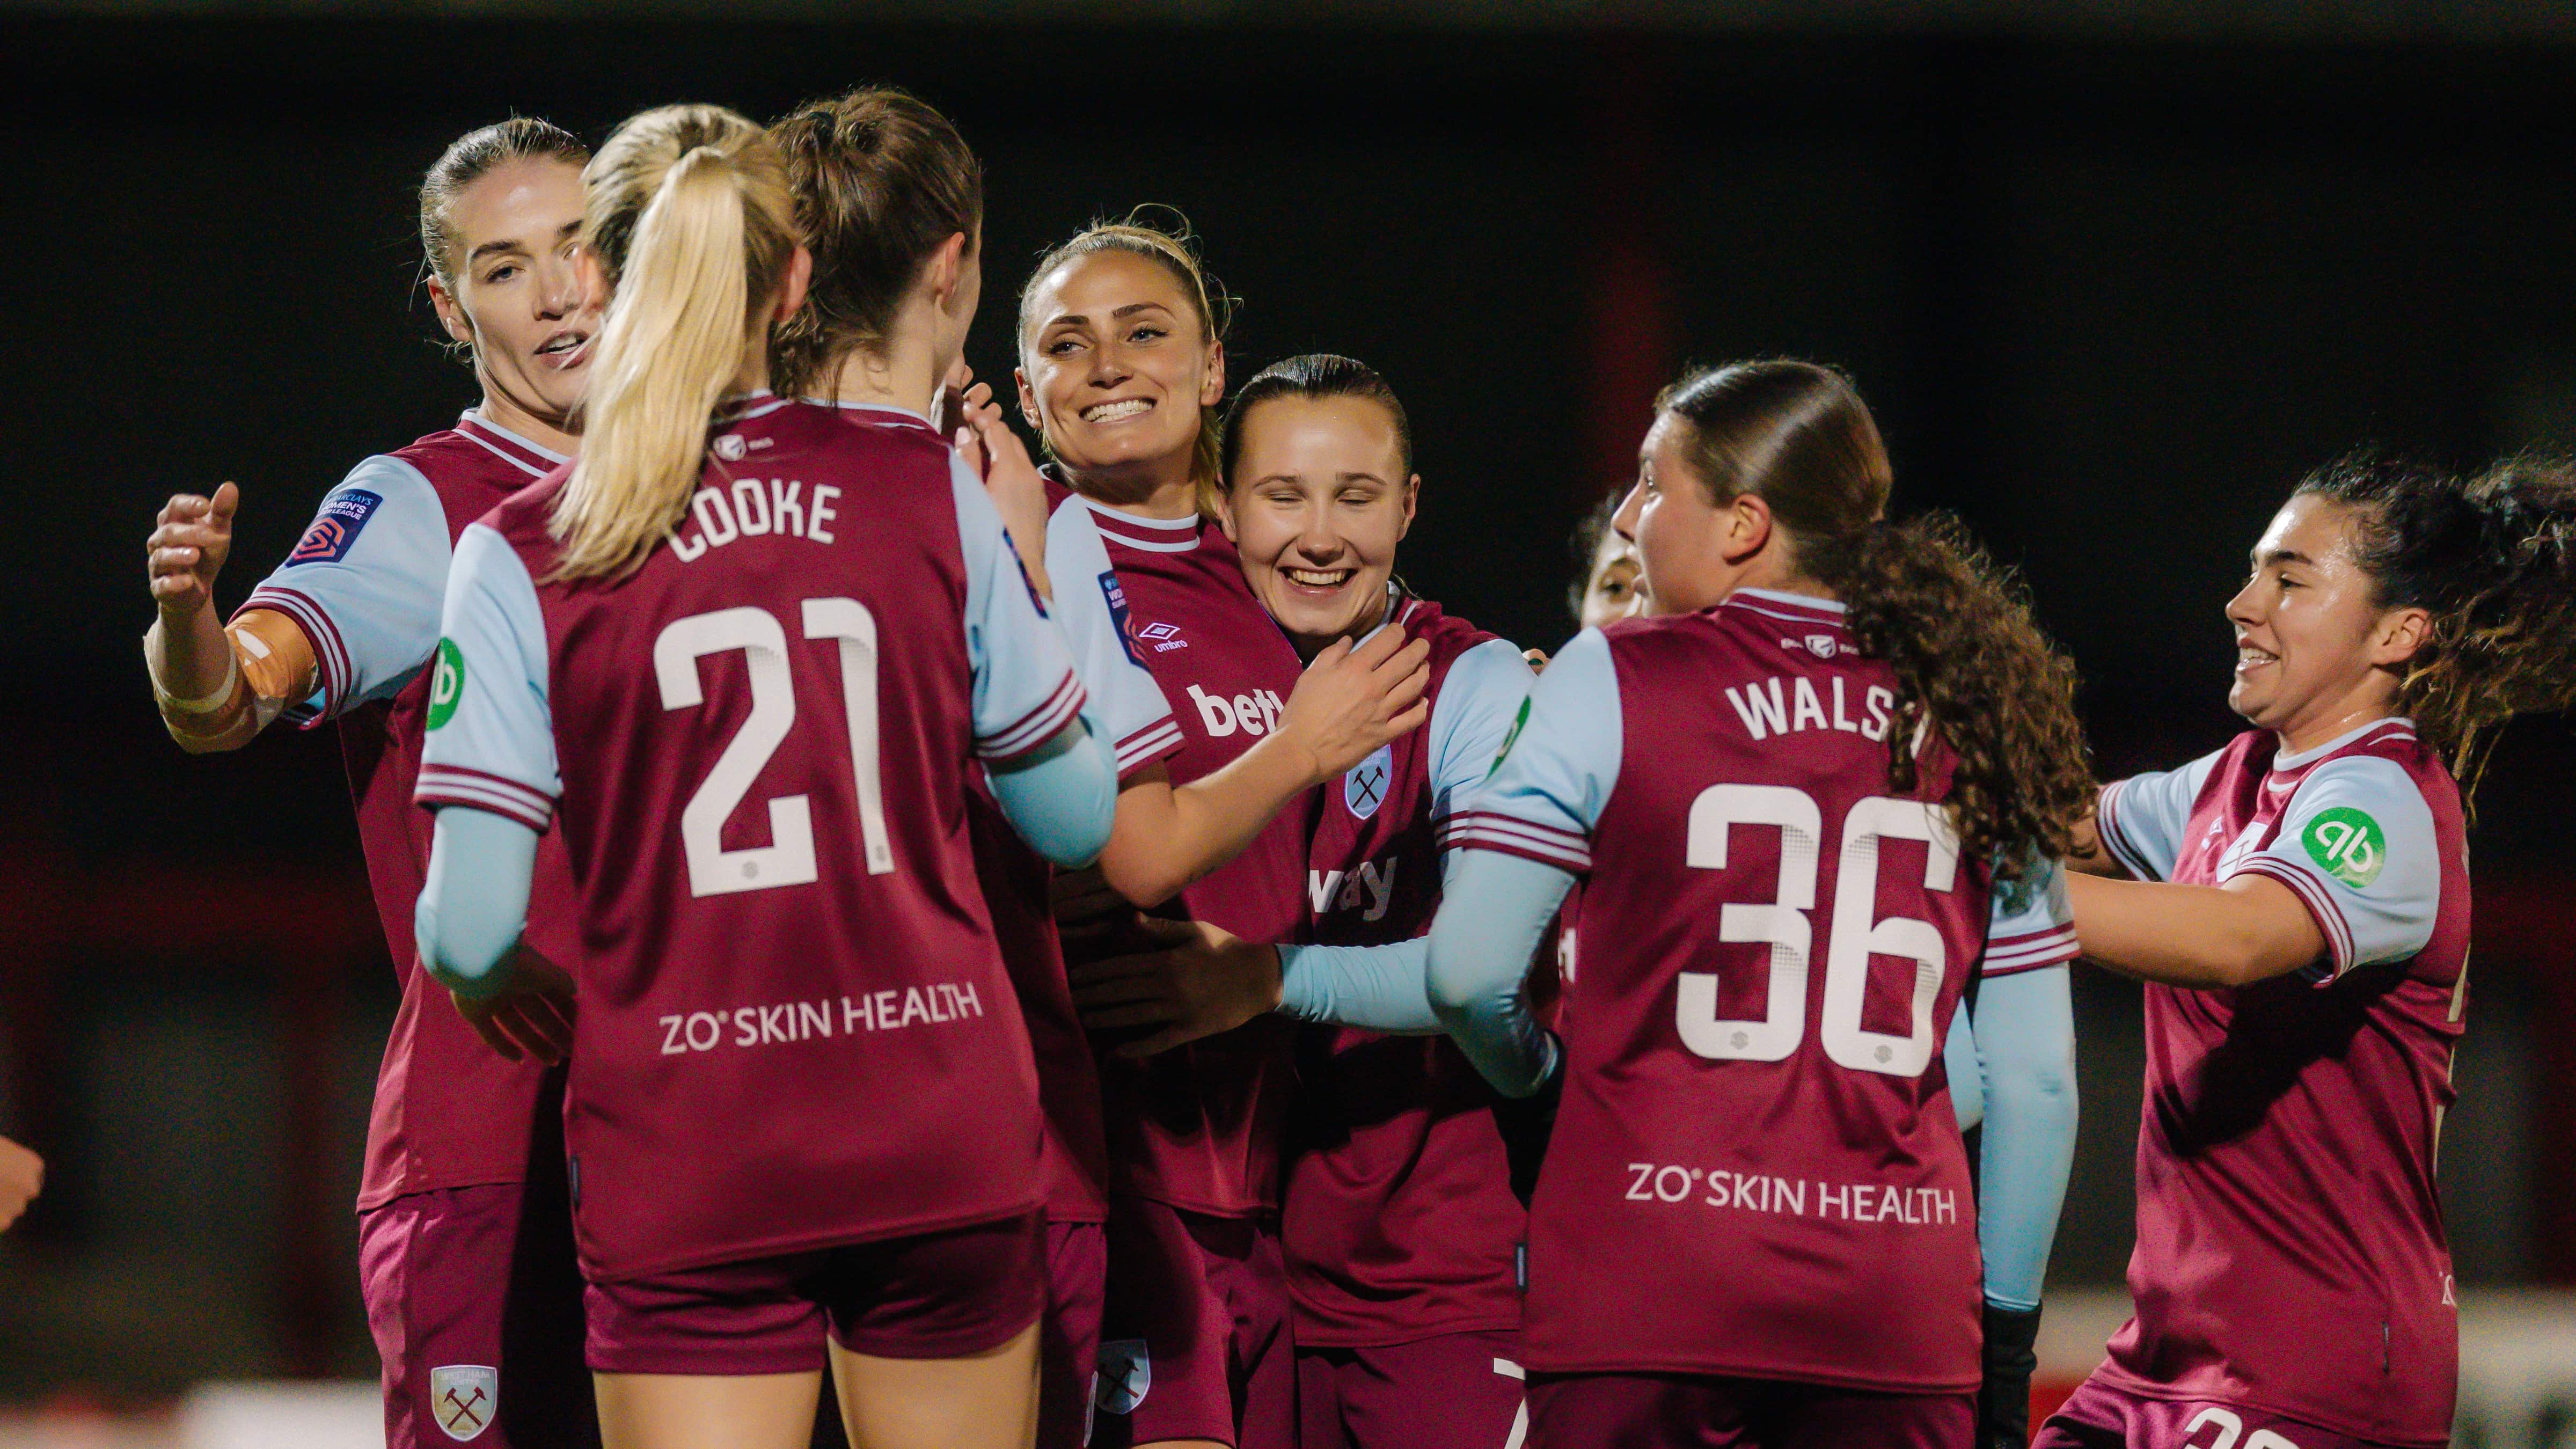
column 343, row 514
column 1364, row 787
column 463, row 1398
column 1125, row 1375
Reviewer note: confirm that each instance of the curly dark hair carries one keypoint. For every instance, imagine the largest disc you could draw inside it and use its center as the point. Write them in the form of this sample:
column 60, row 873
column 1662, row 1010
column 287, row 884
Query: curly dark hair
column 1970, row 663
column 2492, row 561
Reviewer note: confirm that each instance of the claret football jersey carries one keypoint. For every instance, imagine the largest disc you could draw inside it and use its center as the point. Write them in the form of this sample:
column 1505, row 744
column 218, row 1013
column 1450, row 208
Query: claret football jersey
column 1756, row 1170
column 1200, row 1127
column 795, row 1027
column 1399, row 1220
column 1125, row 710
column 2290, row 1252
column 364, row 584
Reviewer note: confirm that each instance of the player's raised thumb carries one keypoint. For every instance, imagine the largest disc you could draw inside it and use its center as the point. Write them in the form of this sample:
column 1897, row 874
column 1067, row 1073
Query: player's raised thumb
column 226, row 499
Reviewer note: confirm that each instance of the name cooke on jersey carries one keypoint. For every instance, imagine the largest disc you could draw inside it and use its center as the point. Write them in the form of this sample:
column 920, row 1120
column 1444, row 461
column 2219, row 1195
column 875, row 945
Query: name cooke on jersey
column 750, row 508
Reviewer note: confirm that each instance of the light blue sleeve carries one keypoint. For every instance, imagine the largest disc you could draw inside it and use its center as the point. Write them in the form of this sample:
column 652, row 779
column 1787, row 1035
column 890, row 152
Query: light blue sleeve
column 1967, row 1076
column 1126, row 709
column 2142, row 818
column 1062, row 798
column 2358, row 847
column 2020, row 1060
column 1543, row 799
column 1492, row 917
column 491, row 740
column 1026, row 690
column 475, row 900
column 2030, row 924
column 1483, row 699
column 364, row 583
column 1377, row 987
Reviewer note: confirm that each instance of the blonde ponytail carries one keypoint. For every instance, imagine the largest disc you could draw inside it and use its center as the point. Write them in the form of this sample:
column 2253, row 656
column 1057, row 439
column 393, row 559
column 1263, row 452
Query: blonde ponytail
column 688, row 211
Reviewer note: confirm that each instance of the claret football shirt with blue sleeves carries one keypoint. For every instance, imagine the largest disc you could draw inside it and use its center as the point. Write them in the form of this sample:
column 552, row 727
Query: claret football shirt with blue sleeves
column 1126, row 711
column 1399, row 1220
column 757, row 748
column 2290, row 1250
column 364, row 584
column 1756, row 1169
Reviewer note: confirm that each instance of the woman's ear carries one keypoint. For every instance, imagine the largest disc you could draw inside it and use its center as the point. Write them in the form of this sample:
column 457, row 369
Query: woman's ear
column 2401, row 634
column 1028, row 400
column 1748, row 528
column 1212, row 391
column 791, row 290
column 947, row 268
column 1412, row 501
column 451, row 313
column 1225, row 513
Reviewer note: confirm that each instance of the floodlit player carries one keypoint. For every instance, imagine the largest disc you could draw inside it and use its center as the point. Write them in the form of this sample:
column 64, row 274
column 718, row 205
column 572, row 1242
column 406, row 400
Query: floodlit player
column 1401, row 1229
column 1121, row 368
column 2301, row 917
column 751, row 651
column 464, row 1240
column 1753, row 1225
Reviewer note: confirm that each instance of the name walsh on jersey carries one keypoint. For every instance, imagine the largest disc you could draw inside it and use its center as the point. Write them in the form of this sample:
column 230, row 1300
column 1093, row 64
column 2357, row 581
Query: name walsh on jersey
column 1768, row 708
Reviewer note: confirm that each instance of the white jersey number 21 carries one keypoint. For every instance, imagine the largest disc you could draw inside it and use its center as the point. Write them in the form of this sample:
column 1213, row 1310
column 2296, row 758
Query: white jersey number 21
column 1852, row 937
column 789, row 857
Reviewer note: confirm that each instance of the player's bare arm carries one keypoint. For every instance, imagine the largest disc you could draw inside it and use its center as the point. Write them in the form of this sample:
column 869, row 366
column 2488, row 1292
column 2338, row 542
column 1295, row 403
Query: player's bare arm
column 217, row 687
column 2251, row 929
column 1348, row 702
column 22, row 1176
column 2085, row 853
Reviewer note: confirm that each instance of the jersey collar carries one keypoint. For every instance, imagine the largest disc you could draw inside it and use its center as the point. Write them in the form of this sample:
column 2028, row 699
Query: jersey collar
column 1788, row 608
column 884, row 414
column 517, row 451
column 2393, row 727
column 1154, row 535
column 744, row 406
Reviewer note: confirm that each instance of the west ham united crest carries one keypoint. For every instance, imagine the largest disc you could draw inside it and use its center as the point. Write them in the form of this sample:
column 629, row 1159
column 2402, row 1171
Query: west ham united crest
column 1125, row 1376
column 463, row 1397
column 1364, row 788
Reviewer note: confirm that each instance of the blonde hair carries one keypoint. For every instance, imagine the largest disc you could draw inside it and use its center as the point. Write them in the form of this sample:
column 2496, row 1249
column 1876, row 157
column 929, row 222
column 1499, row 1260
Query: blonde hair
column 1175, row 250
column 687, row 209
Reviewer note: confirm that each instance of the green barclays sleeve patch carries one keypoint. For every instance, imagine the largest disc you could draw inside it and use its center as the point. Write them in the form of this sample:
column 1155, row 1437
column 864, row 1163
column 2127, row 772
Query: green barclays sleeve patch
column 1511, row 739
column 2347, row 844
column 446, row 682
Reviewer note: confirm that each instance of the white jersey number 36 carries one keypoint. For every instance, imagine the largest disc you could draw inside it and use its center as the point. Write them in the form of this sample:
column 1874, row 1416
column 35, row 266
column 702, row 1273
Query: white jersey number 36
column 1852, row 937
column 788, row 859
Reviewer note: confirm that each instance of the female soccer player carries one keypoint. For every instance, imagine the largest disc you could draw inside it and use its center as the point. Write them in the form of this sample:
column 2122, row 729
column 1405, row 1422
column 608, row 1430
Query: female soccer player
column 794, row 1101
column 2301, row 917
column 1612, row 584
column 1399, row 1225
column 1749, row 1228
column 1121, row 368
column 465, row 1243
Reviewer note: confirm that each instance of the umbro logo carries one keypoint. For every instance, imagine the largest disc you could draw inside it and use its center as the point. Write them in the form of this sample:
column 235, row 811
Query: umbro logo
column 1162, row 638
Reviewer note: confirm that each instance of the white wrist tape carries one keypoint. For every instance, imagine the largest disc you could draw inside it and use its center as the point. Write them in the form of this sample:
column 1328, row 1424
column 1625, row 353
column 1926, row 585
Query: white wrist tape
column 198, row 704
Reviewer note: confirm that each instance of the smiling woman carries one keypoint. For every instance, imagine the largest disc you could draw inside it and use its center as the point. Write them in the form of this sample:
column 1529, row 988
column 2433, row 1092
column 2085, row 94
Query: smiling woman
column 344, row 630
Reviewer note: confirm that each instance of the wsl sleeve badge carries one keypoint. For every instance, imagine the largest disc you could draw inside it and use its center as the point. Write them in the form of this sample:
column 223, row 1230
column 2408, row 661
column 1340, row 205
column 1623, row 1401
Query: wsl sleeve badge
column 1364, row 786
column 335, row 529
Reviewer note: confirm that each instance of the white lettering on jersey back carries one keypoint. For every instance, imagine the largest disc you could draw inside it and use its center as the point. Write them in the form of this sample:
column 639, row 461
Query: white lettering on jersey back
column 793, row 1021
column 1371, row 886
column 1256, row 713
column 749, row 508
column 1768, row 708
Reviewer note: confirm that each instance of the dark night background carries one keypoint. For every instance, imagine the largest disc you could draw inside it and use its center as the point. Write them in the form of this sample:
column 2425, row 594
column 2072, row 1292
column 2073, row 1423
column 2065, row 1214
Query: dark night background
column 2111, row 287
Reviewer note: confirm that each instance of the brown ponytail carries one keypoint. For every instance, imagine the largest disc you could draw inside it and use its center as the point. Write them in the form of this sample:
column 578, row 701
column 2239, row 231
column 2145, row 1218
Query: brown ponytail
column 1970, row 663
column 2492, row 560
